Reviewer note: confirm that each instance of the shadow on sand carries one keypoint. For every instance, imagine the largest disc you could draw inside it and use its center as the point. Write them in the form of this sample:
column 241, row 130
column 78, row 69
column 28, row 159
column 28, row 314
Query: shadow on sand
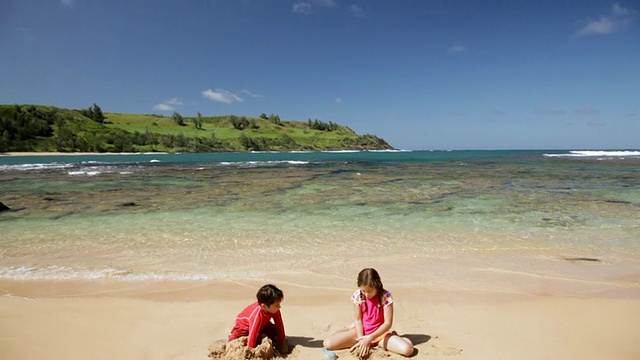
column 417, row 339
column 304, row 341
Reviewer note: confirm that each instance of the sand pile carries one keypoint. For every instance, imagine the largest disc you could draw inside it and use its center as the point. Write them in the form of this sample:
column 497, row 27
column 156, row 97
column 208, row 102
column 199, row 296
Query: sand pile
column 374, row 353
column 237, row 349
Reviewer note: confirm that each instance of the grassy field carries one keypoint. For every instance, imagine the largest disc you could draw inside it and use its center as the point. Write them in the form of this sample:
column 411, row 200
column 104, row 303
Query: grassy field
column 75, row 130
column 222, row 128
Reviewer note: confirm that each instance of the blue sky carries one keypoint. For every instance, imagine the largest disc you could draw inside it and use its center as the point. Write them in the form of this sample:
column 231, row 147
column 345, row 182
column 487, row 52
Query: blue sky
column 443, row 74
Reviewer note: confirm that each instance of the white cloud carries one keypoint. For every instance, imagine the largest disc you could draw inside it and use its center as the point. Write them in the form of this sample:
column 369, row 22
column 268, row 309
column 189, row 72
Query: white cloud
column 619, row 19
column 301, row 8
column 222, row 96
column 168, row 105
column 604, row 25
column 164, row 107
column 251, row 94
column 356, row 10
column 458, row 48
column 621, row 11
column 174, row 101
column 67, row 3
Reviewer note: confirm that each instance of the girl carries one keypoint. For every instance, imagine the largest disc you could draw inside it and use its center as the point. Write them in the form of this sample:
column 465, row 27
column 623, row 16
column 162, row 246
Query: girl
column 373, row 311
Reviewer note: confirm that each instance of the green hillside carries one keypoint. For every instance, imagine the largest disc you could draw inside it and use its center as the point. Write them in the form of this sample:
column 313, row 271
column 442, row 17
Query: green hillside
column 47, row 128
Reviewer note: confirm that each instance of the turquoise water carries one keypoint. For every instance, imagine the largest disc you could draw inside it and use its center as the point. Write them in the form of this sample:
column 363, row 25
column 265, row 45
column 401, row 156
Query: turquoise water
column 255, row 215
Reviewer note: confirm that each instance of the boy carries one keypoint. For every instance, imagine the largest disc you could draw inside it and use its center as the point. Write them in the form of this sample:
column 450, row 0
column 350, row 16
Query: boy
column 255, row 319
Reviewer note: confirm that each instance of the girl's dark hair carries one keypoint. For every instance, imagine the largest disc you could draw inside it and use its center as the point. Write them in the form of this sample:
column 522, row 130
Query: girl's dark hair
column 370, row 277
column 269, row 294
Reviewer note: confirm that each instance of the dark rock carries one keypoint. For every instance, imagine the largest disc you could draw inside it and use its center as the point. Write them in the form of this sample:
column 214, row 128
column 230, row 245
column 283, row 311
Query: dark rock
column 618, row 201
column 60, row 216
column 4, row 207
column 127, row 204
column 582, row 259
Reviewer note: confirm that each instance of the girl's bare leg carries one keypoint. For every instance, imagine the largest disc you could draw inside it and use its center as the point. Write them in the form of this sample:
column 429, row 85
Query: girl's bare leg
column 341, row 339
column 399, row 345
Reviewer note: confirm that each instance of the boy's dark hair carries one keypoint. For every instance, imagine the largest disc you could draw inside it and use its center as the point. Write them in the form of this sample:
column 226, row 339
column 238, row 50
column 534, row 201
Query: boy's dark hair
column 269, row 294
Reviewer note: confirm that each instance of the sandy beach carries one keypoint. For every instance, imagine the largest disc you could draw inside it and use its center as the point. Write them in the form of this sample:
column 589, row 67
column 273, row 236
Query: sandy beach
column 180, row 320
column 486, row 259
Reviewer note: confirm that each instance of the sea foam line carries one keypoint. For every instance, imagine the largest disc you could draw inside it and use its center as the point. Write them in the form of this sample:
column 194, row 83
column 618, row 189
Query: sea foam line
column 591, row 153
column 262, row 163
column 54, row 272
column 27, row 167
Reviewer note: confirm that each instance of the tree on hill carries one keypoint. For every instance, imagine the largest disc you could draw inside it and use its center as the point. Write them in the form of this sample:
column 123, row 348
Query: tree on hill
column 275, row 119
column 366, row 141
column 321, row 125
column 98, row 116
column 239, row 123
column 198, row 121
column 20, row 124
column 177, row 118
column 94, row 113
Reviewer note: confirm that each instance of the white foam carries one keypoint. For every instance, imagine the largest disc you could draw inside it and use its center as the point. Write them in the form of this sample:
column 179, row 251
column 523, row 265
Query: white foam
column 54, row 272
column 27, row 167
column 87, row 173
column 262, row 163
column 600, row 153
column 341, row 151
column 391, row 150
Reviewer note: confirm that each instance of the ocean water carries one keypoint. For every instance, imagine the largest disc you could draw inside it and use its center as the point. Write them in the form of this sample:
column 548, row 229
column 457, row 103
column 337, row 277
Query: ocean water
column 291, row 216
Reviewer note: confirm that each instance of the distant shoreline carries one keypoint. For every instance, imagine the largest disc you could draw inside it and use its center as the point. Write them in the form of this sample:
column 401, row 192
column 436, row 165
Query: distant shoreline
column 31, row 153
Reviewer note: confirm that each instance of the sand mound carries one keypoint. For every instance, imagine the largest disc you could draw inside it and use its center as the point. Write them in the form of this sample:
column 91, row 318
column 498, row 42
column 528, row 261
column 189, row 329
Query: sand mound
column 237, row 349
column 375, row 353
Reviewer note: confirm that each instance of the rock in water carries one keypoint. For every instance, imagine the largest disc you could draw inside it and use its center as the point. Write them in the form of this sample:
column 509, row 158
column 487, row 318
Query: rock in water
column 4, row 207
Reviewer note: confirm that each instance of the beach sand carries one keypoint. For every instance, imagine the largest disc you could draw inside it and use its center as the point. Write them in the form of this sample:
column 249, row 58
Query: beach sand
column 181, row 320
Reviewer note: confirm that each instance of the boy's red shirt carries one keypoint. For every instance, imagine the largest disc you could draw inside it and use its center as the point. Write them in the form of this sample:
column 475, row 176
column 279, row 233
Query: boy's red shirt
column 252, row 320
